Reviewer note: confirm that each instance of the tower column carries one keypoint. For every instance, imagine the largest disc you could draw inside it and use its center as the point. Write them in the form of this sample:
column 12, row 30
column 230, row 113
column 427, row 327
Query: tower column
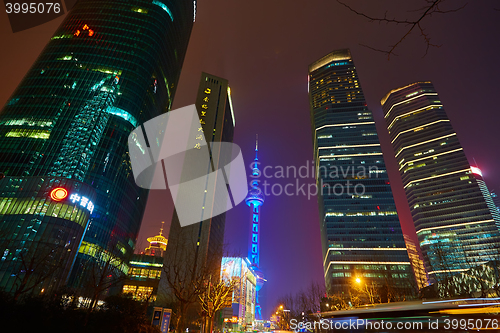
column 254, row 200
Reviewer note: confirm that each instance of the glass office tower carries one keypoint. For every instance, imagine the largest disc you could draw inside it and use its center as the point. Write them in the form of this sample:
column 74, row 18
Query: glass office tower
column 361, row 234
column 456, row 220
column 109, row 67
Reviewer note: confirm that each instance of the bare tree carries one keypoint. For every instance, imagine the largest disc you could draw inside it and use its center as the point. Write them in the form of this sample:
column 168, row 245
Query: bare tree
column 187, row 271
column 340, row 301
column 36, row 267
column 416, row 24
column 102, row 275
column 368, row 291
column 215, row 297
column 302, row 305
column 495, row 269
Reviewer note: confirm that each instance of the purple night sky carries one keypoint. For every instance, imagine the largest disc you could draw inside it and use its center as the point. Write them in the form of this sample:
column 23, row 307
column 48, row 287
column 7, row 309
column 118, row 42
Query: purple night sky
column 264, row 48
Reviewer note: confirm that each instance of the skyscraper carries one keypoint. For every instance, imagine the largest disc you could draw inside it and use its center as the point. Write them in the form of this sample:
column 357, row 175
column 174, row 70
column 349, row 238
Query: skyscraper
column 109, row 67
column 361, row 235
column 255, row 199
column 456, row 221
column 194, row 252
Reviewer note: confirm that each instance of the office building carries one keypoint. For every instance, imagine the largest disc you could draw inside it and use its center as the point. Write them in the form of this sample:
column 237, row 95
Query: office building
column 68, row 197
column 455, row 218
column 194, row 252
column 361, row 235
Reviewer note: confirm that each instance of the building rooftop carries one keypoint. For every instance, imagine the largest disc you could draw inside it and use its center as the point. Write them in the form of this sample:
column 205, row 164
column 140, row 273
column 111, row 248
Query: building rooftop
column 383, row 100
column 336, row 55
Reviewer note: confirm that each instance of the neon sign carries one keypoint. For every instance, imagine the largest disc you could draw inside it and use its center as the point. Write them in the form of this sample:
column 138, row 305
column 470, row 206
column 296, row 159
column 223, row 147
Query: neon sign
column 84, row 202
column 85, row 28
column 60, row 193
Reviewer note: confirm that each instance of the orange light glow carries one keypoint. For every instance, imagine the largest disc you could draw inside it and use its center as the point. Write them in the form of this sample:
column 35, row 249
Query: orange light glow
column 58, row 194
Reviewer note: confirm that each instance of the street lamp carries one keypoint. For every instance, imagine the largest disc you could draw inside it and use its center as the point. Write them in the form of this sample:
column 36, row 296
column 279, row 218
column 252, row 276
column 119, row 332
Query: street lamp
column 280, row 313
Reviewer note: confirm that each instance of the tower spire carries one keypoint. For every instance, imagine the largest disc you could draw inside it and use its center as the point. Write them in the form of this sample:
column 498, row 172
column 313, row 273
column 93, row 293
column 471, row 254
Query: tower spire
column 256, row 146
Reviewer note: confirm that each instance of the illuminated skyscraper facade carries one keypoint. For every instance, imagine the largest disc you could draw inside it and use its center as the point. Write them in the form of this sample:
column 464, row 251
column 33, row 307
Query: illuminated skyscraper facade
column 109, row 67
column 361, row 234
column 455, row 218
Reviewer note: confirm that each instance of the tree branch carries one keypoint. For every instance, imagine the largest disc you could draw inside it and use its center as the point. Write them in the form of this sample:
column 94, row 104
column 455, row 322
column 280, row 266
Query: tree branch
column 432, row 7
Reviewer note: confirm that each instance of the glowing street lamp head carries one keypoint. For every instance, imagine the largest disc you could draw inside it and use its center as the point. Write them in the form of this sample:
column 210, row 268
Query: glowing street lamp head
column 358, row 280
column 58, row 194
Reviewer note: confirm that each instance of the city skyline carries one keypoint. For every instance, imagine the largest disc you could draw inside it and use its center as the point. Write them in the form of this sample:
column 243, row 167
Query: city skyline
column 281, row 50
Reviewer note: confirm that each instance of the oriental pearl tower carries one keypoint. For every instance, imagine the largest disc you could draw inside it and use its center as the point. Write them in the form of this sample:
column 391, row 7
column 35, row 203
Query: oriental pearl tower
column 254, row 200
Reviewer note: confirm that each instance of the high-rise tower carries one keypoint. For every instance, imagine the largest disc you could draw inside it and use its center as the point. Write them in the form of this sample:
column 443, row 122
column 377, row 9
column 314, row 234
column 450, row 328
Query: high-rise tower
column 456, row 220
column 361, row 235
column 194, row 252
column 109, row 67
column 255, row 199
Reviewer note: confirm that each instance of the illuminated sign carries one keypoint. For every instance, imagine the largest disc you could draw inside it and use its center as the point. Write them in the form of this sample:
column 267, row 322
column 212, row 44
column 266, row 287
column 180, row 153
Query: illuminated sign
column 476, row 170
column 60, row 193
column 85, row 28
column 203, row 113
column 84, row 202
column 165, row 323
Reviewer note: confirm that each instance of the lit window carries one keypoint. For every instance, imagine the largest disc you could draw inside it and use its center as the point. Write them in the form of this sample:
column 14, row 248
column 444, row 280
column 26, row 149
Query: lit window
column 23, row 133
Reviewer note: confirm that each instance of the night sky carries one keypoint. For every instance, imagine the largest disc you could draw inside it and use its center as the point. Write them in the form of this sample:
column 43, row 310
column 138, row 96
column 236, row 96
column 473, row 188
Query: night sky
column 264, row 48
